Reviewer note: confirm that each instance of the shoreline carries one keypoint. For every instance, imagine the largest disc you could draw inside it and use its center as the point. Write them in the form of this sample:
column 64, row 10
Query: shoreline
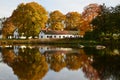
column 70, row 42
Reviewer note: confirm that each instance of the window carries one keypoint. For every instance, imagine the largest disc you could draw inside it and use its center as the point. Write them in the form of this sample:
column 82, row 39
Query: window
column 41, row 36
column 59, row 36
column 54, row 36
column 47, row 36
column 50, row 36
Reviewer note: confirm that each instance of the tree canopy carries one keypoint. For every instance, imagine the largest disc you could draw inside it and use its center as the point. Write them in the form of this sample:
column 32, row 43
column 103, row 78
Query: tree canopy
column 8, row 28
column 89, row 13
column 56, row 20
column 107, row 23
column 29, row 18
column 73, row 20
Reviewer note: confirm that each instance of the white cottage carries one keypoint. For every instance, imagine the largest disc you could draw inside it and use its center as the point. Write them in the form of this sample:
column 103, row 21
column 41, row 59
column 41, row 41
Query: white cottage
column 46, row 34
column 16, row 34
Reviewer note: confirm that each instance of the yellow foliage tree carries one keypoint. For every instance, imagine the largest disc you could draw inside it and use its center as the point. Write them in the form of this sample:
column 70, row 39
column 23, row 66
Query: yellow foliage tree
column 56, row 20
column 8, row 28
column 29, row 18
column 73, row 20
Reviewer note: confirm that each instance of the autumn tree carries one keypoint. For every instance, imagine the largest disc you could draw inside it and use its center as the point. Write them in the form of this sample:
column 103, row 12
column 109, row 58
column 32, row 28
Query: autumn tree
column 73, row 21
column 8, row 28
column 29, row 18
column 89, row 13
column 56, row 20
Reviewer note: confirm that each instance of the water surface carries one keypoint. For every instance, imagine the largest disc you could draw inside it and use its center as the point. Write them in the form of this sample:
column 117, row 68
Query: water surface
column 59, row 63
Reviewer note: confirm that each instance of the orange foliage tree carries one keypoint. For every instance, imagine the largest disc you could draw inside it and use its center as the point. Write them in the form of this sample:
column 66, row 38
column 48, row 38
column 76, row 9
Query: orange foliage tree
column 89, row 13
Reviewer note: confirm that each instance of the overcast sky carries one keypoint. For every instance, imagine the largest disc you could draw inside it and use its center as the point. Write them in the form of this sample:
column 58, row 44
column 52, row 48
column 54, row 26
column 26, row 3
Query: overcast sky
column 7, row 6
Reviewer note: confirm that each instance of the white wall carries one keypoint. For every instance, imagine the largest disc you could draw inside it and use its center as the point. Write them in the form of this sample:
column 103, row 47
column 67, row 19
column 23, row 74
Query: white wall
column 16, row 34
column 42, row 35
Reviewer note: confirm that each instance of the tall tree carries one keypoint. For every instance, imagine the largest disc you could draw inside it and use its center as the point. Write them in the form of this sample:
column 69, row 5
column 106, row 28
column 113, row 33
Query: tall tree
column 56, row 20
column 73, row 20
column 29, row 18
column 89, row 13
column 8, row 28
column 107, row 23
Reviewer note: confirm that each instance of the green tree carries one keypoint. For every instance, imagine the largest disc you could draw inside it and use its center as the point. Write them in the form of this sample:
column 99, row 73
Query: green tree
column 29, row 18
column 115, row 19
column 99, row 21
column 107, row 23
column 56, row 20
column 73, row 20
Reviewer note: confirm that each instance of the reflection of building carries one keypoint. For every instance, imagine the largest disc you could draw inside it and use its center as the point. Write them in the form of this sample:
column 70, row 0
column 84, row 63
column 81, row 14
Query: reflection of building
column 45, row 34
column 0, row 33
column 44, row 49
column 16, row 49
column 0, row 55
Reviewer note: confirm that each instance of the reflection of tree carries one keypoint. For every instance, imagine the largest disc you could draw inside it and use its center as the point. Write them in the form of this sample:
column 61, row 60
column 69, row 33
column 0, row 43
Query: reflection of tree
column 106, row 62
column 107, row 66
column 8, row 55
column 57, row 61
column 29, row 65
column 73, row 61
column 87, row 68
column 90, row 72
column 113, row 50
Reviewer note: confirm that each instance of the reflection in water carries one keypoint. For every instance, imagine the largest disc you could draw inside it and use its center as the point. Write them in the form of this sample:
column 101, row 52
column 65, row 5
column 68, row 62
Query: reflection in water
column 29, row 64
column 106, row 62
column 108, row 67
column 33, row 63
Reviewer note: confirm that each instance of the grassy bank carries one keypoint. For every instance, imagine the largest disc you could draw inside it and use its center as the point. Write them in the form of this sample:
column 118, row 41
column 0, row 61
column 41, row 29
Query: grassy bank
column 47, row 41
column 71, row 42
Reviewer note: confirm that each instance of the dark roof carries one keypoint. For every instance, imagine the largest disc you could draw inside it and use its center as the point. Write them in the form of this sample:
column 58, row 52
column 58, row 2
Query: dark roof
column 60, row 32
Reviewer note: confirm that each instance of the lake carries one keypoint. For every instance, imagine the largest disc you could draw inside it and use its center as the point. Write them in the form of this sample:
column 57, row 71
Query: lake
column 45, row 62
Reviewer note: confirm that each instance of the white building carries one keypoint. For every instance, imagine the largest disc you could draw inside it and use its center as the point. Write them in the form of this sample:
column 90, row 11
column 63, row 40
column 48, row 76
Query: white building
column 54, row 34
column 16, row 34
column 46, row 34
